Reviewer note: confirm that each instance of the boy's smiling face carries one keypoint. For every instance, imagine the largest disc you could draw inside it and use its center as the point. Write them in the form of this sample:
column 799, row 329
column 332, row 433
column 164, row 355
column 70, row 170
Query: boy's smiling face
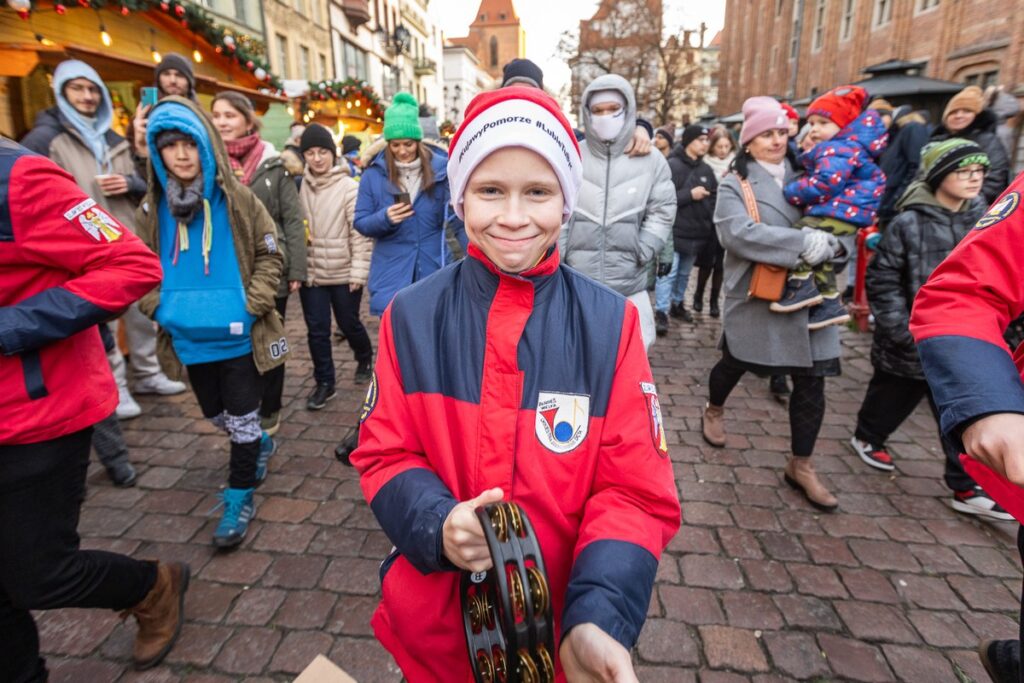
column 513, row 208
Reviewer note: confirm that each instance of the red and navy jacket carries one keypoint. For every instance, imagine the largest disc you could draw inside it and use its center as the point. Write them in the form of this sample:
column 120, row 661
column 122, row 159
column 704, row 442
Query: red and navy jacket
column 958, row 319
column 536, row 383
column 65, row 265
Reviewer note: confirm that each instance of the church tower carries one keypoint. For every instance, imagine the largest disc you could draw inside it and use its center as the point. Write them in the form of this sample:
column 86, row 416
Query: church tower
column 495, row 36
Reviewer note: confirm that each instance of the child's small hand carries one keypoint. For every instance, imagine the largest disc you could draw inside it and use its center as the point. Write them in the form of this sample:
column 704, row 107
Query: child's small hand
column 700, row 192
column 464, row 542
column 589, row 655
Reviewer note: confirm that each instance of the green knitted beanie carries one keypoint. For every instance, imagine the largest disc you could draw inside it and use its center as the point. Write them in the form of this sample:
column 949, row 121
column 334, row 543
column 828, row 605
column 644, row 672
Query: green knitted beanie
column 939, row 159
column 402, row 119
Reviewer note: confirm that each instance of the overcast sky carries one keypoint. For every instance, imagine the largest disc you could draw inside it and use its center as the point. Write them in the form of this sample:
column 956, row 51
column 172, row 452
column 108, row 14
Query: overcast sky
column 545, row 20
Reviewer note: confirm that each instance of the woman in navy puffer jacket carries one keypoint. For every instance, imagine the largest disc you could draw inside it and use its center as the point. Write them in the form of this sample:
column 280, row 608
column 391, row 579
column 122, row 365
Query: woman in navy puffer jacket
column 410, row 235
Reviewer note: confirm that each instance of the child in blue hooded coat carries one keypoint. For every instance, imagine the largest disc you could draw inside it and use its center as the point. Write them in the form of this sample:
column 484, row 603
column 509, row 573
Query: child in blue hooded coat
column 215, row 306
column 840, row 192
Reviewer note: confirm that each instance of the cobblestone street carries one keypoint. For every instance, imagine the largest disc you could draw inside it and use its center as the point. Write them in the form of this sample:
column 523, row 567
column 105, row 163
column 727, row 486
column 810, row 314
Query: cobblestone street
column 756, row 585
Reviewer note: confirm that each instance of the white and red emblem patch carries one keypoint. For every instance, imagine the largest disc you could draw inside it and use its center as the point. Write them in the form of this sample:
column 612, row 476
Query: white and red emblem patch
column 658, row 435
column 562, row 420
column 96, row 222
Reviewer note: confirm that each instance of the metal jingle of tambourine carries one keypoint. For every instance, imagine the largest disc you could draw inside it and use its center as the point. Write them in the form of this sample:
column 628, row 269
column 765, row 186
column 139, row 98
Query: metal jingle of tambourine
column 507, row 610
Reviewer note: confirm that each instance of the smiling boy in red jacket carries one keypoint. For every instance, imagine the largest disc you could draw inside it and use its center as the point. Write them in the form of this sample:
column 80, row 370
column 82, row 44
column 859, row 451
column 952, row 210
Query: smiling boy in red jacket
column 546, row 400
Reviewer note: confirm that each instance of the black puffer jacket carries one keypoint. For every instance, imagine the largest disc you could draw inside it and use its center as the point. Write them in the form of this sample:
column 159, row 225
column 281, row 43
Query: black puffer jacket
column 695, row 221
column 914, row 244
column 984, row 131
column 900, row 162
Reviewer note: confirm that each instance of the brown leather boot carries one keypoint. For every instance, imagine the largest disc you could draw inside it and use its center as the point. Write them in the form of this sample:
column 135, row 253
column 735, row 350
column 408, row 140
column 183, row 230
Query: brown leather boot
column 160, row 615
column 801, row 476
column 712, row 425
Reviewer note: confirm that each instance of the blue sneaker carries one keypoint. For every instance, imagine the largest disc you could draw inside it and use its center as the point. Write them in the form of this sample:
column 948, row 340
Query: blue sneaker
column 799, row 293
column 267, row 448
column 238, row 511
column 830, row 312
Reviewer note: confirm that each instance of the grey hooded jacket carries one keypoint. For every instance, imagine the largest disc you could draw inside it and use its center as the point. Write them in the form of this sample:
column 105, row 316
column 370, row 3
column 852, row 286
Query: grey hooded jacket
column 626, row 206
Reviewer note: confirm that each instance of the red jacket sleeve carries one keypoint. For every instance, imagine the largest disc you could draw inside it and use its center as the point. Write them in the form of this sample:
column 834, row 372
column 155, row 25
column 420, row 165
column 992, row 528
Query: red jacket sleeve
column 633, row 510
column 57, row 226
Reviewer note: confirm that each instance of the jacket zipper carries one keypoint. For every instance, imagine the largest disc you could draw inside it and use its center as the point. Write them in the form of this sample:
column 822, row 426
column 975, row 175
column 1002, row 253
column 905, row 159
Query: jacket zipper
column 604, row 214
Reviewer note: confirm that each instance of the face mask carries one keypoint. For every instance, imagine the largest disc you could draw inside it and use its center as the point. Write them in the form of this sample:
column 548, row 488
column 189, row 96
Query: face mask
column 608, row 126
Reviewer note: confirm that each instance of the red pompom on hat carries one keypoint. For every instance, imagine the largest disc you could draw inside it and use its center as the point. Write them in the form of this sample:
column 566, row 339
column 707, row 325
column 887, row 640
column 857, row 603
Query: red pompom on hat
column 840, row 105
column 515, row 116
column 791, row 113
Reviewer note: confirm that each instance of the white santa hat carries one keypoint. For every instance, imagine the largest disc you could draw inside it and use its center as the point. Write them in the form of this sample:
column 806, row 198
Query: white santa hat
column 515, row 116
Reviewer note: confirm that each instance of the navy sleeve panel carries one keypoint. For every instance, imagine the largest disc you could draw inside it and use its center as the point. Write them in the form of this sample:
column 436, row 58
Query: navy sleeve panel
column 571, row 342
column 970, row 378
column 46, row 317
column 610, row 587
column 439, row 332
column 411, row 508
column 10, row 152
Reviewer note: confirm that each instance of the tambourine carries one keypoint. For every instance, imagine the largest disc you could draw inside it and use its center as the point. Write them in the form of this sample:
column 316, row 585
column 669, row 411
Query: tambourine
column 506, row 611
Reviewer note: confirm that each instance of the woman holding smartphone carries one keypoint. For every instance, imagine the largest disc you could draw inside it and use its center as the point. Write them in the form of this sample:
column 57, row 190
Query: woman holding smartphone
column 337, row 263
column 404, row 204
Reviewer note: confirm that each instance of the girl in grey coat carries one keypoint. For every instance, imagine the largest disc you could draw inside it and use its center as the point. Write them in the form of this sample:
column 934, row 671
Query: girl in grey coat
column 754, row 339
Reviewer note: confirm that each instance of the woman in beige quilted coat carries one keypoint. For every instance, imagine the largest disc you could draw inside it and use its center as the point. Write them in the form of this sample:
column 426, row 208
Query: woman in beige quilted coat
column 337, row 263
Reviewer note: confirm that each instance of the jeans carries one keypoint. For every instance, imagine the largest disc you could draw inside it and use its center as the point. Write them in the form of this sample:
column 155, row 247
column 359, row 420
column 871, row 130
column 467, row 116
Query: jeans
column 317, row 303
column 889, row 400
column 671, row 289
column 42, row 486
column 229, row 393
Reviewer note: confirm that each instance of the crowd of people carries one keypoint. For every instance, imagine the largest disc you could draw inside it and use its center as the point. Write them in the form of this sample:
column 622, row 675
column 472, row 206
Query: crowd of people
column 192, row 232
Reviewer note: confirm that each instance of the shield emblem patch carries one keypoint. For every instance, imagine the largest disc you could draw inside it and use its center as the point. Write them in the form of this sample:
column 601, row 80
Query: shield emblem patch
column 654, row 416
column 562, row 420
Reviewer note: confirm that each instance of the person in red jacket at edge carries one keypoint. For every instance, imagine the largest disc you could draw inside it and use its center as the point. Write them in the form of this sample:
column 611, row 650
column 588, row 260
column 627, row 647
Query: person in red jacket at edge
column 958, row 320
column 546, row 400
column 65, row 266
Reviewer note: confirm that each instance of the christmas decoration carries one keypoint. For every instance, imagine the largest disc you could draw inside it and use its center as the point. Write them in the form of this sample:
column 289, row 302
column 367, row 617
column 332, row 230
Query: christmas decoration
column 249, row 53
column 357, row 94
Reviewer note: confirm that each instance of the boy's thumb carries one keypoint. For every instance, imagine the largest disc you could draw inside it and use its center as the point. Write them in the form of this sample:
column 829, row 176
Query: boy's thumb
column 489, row 496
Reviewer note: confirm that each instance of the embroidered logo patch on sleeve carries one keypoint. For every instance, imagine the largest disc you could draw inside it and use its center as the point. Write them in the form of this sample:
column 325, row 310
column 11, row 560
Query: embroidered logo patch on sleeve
column 96, row 222
column 562, row 420
column 1001, row 210
column 271, row 244
column 658, row 435
column 370, row 402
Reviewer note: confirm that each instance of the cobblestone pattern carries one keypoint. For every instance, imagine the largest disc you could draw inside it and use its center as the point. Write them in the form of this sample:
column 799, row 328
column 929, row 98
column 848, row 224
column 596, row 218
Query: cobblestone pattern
column 756, row 586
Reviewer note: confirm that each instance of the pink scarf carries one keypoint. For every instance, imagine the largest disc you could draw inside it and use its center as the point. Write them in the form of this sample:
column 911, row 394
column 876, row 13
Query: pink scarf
column 245, row 154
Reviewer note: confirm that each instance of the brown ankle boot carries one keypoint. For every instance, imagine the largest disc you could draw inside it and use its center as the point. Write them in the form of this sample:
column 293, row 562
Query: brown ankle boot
column 801, row 476
column 160, row 615
column 712, row 424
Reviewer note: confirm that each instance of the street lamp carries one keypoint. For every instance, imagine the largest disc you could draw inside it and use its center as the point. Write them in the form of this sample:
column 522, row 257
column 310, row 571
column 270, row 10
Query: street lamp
column 397, row 43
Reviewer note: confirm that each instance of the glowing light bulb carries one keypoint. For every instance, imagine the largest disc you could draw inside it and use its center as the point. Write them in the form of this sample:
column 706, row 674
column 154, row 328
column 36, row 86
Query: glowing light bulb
column 197, row 56
column 291, row 111
column 368, row 111
column 44, row 41
column 105, row 37
column 156, row 56
column 358, row 103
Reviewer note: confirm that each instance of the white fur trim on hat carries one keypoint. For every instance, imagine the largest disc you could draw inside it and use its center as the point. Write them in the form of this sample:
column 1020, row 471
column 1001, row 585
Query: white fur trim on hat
column 516, row 123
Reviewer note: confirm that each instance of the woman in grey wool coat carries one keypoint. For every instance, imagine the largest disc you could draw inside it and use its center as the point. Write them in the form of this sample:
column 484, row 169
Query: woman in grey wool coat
column 755, row 339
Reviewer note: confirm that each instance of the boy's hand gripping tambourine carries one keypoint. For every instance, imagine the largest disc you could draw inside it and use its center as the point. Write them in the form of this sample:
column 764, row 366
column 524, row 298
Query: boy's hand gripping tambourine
column 507, row 611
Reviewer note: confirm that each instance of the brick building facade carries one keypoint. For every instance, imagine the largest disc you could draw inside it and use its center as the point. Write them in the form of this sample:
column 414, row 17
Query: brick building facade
column 496, row 36
column 798, row 48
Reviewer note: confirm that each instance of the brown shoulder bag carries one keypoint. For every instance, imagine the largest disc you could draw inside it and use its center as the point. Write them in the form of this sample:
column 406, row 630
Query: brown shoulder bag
column 766, row 281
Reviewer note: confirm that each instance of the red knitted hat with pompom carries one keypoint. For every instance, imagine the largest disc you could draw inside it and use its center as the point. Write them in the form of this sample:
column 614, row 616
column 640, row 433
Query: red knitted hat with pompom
column 840, row 105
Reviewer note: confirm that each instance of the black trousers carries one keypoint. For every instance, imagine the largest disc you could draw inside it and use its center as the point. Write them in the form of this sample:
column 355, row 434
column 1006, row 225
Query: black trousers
column 229, row 394
column 806, row 403
column 317, row 304
column 42, row 486
column 273, row 381
column 889, row 400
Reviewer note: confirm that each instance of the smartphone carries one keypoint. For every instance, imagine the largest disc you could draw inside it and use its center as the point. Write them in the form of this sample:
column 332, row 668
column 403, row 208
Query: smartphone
column 402, row 198
column 149, row 97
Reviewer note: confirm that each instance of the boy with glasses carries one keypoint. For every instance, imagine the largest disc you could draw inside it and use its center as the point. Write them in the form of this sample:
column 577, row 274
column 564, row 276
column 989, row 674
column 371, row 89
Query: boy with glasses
column 934, row 215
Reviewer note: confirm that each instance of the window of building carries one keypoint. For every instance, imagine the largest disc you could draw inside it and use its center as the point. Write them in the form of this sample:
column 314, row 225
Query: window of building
column 983, row 79
column 483, row 17
column 778, row 7
column 883, row 12
column 354, row 62
column 846, row 25
column 494, row 51
column 794, row 40
column 300, row 6
column 323, row 66
column 819, row 24
column 501, row 16
column 314, row 6
column 304, row 64
column 925, row 5
column 282, row 54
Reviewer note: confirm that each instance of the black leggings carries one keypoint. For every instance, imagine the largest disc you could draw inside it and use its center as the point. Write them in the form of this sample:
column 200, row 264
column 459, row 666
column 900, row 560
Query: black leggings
column 715, row 273
column 806, row 404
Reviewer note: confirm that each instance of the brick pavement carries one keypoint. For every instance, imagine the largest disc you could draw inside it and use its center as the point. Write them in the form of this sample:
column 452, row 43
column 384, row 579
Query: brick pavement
column 756, row 586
